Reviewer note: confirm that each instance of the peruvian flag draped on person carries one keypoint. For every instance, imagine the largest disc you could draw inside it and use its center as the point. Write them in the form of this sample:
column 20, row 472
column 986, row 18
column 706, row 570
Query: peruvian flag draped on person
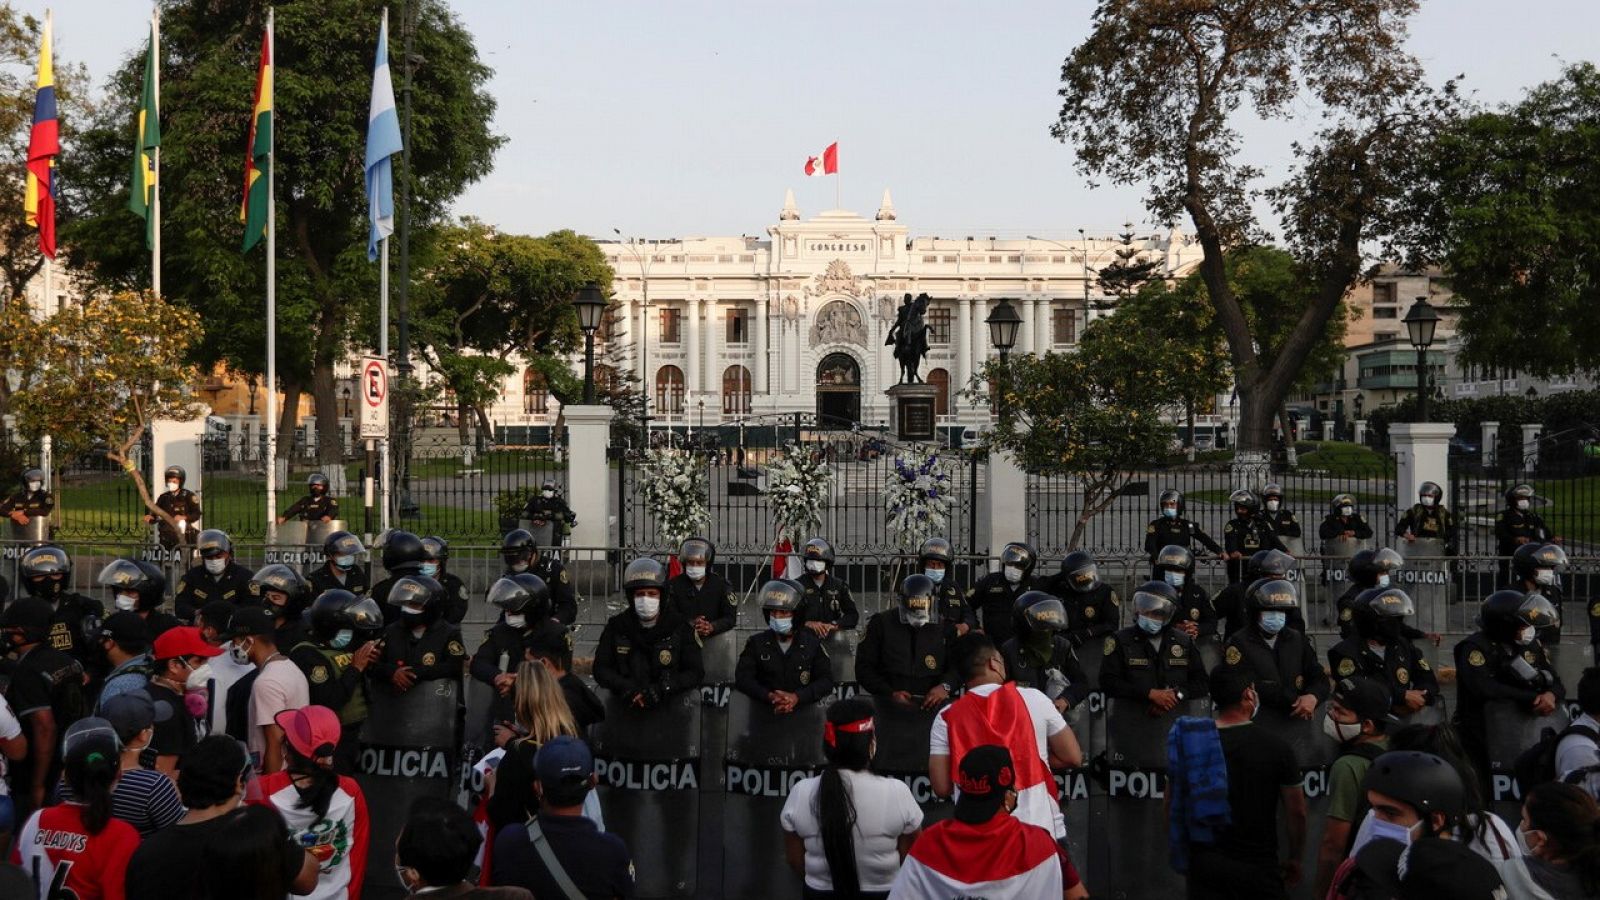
column 825, row 164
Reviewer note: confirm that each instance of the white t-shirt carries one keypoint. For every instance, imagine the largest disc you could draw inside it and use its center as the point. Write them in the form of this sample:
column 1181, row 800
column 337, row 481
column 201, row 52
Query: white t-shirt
column 280, row 686
column 1037, row 804
column 885, row 810
column 9, row 728
column 1576, row 752
column 225, row 673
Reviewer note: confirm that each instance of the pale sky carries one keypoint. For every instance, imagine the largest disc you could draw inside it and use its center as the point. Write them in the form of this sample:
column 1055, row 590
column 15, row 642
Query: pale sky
column 691, row 117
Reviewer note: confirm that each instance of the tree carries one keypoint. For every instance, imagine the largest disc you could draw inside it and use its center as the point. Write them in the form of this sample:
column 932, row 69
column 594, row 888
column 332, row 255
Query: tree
column 1184, row 347
column 326, row 288
column 1150, row 98
column 1505, row 202
column 1124, row 276
column 96, row 375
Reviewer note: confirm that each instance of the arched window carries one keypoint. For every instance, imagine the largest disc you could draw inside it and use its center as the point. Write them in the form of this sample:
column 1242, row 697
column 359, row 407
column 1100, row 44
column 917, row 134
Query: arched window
column 669, row 390
column 736, row 391
column 535, row 393
column 939, row 378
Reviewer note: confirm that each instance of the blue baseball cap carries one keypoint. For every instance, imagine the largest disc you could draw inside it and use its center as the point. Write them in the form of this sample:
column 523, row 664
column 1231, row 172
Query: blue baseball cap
column 563, row 760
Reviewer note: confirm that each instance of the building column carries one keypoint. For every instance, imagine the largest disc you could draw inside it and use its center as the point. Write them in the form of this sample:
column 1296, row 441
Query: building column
column 1042, row 326
column 980, row 333
column 1531, row 435
column 963, row 316
column 588, row 480
column 1025, row 333
column 1422, row 453
column 639, row 336
column 788, row 358
column 691, row 324
column 1491, row 443
column 758, row 372
column 711, row 373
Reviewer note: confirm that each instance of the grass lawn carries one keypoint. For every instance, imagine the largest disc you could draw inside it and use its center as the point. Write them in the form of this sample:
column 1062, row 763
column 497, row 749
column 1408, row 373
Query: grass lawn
column 1574, row 510
column 1345, row 459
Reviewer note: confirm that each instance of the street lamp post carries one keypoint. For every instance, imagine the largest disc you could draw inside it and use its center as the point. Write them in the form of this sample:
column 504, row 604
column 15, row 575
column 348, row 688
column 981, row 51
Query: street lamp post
column 591, row 306
column 1003, row 323
column 646, row 382
column 345, row 395
column 1421, row 321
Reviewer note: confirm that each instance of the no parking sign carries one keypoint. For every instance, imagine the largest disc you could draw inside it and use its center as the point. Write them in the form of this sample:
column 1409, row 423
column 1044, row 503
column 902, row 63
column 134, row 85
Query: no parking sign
column 374, row 390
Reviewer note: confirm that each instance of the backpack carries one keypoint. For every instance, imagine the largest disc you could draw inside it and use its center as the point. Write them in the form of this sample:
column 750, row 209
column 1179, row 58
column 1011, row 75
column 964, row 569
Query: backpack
column 1537, row 764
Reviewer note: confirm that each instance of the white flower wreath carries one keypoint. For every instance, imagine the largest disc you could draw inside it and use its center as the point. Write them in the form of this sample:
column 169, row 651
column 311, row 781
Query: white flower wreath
column 917, row 495
column 676, row 493
column 798, row 487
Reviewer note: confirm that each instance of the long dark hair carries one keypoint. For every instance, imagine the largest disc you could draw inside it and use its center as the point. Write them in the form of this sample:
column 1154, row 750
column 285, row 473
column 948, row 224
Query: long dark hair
column 1442, row 741
column 1570, row 819
column 317, row 795
column 245, row 858
column 848, row 746
column 91, row 774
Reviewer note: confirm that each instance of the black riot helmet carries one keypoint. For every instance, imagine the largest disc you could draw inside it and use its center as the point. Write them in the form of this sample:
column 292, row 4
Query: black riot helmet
column 1269, row 564
column 403, row 553
column 779, row 595
column 1171, row 496
column 337, row 609
column 917, row 606
column 342, row 543
column 1041, row 612
column 1519, row 492
column 317, row 484
column 176, row 473
column 1155, row 600
column 1242, row 499
column 526, row 594
column 1505, row 613
column 1022, row 555
column 937, row 549
column 518, row 546
column 1361, row 570
column 1380, row 613
column 29, row 476
column 45, row 571
column 1422, row 781
column 213, row 542
column 1271, row 594
column 1175, row 558
column 280, row 579
column 697, row 548
column 643, row 572
column 143, row 579
column 1080, row 571
column 1530, row 558
column 817, row 548
column 1431, row 489
column 420, row 599
column 436, row 548
column 1273, row 491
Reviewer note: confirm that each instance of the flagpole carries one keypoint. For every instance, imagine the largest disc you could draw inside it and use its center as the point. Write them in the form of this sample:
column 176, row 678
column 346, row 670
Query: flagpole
column 272, row 297
column 155, row 199
column 383, row 351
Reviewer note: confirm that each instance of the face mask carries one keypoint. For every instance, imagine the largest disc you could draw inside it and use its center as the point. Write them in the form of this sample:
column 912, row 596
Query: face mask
column 1427, row 500
column 816, row 566
column 1341, row 732
column 34, row 486
column 934, row 575
column 1174, row 578
column 1526, row 635
column 647, row 607
column 198, row 678
column 127, row 602
column 1522, row 504
column 1544, row 576
column 779, row 626
column 1013, row 574
column 429, row 569
column 240, row 653
column 172, row 486
column 401, row 876
column 216, row 566
column 1149, row 625
column 46, row 587
column 412, row 611
column 1272, row 506
column 1255, row 709
column 1170, row 512
column 519, row 567
column 1346, row 510
column 342, row 638
column 916, row 618
column 517, row 620
column 547, row 494
column 1383, row 579
column 1522, row 841
column 344, row 562
column 695, row 573
column 1272, row 622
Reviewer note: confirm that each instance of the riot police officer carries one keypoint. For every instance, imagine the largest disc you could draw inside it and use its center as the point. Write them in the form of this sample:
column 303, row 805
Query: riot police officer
column 46, row 573
column 1195, row 616
column 318, row 505
column 904, row 655
column 403, row 556
column 1429, row 519
column 1170, row 527
column 1273, row 565
column 784, row 666
column 434, row 565
column 995, row 595
column 524, row 605
column 341, row 570
column 647, row 653
column 1284, row 666
column 31, row 501
column 287, row 594
column 1282, row 519
column 217, row 577
column 138, row 586
column 1247, row 533
column 341, row 647
column 1366, row 570
column 1536, row 568
column 182, row 504
column 551, row 507
column 1380, row 651
column 826, row 604
column 702, row 597
column 1150, row 661
column 935, row 559
column 1343, row 521
column 420, row 645
column 1092, row 606
column 521, row 554
column 1516, row 525
column 1041, row 657
column 1504, row 660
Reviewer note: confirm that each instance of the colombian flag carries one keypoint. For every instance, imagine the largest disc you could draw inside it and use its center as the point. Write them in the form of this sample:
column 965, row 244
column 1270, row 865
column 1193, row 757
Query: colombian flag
column 258, row 155
column 39, row 200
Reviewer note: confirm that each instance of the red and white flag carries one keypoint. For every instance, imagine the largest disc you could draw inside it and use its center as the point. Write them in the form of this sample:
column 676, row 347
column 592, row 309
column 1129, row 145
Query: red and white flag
column 826, row 164
column 1002, row 859
column 785, row 564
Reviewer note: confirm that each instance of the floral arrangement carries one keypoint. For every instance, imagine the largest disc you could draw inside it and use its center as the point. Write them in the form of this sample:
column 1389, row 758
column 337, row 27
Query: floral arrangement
column 917, row 496
column 676, row 493
column 798, row 487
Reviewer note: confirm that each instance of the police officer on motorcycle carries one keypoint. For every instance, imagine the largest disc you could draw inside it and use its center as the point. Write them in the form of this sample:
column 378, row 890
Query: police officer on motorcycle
column 995, row 595
column 342, row 570
column 521, row 554
column 318, row 505
column 1151, row 661
column 783, row 666
column 217, row 577
column 647, row 653
column 342, row 645
column 1283, row 662
column 182, row 504
column 1040, row 655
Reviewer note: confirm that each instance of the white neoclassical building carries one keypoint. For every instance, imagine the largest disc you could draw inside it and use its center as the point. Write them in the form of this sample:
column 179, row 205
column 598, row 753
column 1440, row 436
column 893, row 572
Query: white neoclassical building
column 722, row 329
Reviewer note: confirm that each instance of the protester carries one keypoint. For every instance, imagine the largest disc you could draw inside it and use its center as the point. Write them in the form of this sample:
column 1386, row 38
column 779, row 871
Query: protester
column 1578, row 754
column 278, row 686
column 541, row 715
column 1428, row 868
column 325, row 811
column 1358, row 715
column 1560, row 838
column 180, row 680
column 434, row 854
column 251, row 857
column 125, row 640
column 553, row 648
column 13, row 746
column 982, row 850
column 212, row 620
column 144, row 798
column 587, row 862
column 846, row 830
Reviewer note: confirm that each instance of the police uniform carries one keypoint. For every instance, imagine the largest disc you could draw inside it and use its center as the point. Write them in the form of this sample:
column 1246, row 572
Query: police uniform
column 896, row 656
column 71, row 620
column 1399, row 668
column 198, row 587
column 1283, row 523
column 995, row 599
column 1512, row 529
column 828, row 602
column 455, row 597
column 356, row 581
column 952, row 606
column 33, row 504
column 1195, row 606
column 1284, row 669
column 1248, row 536
column 157, row 622
column 1229, row 606
column 1132, row 667
column 1029, row 669
column 1483, row 673
column 563, row 601
column 502, row 651
column 551, row 509
column 663, row 659
column 181, row 503
column 438, row 654
column 1089, row 615
column 1334, row 526
column 313, row 507
column 1163, row 532
column 713, row 599
column 337, row 684
column 803, row 670
column 1431, row 522
column 1346, row 611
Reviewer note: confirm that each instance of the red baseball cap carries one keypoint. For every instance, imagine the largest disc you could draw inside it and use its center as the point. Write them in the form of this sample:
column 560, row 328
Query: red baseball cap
column 313, row 731
column 184, row 640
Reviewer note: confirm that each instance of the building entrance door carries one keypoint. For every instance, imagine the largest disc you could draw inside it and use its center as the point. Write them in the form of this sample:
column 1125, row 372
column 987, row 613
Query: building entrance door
column 838, row 391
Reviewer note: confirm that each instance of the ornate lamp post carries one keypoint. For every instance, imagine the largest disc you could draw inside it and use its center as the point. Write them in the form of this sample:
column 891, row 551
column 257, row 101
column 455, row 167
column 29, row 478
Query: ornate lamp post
column 591, row 306
column 1421, row 321
column 1004, row 323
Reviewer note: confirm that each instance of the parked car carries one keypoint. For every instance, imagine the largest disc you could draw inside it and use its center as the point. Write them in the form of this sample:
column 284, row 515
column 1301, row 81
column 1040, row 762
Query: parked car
column 1460, row 446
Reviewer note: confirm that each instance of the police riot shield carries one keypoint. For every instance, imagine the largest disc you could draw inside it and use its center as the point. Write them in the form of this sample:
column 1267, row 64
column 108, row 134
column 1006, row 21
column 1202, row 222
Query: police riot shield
column 316, row 534
column 1136, row 833
column 1294, row 546
column 1209, row 646
column 478, row 729
column 409, row 750
column 648, row 763
column 902, row 733
column 37, row 531
column 768, row 754
column 1334, row 580
column 841, row 647
column 1509, row 729
column 544, row 533
column 1082, row 800
column 1569, row 659
column 1426, row 578
column 720, row 655
column 1314, row 752
column 290, row 546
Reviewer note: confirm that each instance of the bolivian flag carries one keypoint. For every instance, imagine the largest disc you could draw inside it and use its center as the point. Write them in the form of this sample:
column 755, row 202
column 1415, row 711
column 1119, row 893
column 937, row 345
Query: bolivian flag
column 258, row 155
column 44, row 142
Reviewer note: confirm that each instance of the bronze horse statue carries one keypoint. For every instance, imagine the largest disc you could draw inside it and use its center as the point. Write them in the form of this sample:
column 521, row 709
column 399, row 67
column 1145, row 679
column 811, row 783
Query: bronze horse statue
column 909, row 337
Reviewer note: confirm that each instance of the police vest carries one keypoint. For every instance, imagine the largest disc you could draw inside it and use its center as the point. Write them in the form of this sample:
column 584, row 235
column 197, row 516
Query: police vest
column 355, row 709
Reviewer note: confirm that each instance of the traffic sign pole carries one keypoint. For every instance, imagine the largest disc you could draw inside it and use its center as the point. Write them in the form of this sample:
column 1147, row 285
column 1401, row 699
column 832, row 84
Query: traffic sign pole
column 374, row 425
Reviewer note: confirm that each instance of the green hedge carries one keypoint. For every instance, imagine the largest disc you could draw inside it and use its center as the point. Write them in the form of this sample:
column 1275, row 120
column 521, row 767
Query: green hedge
column 1574, row 414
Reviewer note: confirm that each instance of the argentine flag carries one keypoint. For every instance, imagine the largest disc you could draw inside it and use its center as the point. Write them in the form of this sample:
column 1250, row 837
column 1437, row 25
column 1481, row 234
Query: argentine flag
column 383, row 141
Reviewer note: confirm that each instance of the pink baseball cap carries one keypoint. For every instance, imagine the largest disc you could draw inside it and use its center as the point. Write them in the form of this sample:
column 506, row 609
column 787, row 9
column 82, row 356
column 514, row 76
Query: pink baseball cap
column 313, row 731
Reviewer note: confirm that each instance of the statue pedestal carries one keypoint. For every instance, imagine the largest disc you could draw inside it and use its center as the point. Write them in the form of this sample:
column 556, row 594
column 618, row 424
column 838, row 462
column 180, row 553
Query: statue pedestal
column 911, row 411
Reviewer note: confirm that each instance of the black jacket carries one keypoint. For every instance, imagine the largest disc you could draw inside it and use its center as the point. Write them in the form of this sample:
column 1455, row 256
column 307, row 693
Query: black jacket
column 1484, row 673
column 804, row 669
column 894, row 656
column 1163, row 531
column 1089, row 616
column 1283, row 523
column 1399, row 668
column 198, row 587
column 1029, row 669
column 1229, row 606
column 658, row 661
column 1515, row 523
column 1248, row 536
column 829, row 602
column 356, row 581
column 437, row 654
column 1333, row 526
column 1132, row 668
column 312, row 507
column 180, row 503
column 36, row 504
column 995, row 599
column 1283, row 671
column 953, row 607
column 1433, row 522
column 713, row 599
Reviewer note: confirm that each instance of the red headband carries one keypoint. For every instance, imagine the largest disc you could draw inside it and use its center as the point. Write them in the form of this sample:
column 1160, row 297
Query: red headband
column 830, row 731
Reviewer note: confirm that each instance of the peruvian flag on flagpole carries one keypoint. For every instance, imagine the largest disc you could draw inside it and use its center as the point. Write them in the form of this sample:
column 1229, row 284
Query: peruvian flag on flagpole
column 826, row 164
